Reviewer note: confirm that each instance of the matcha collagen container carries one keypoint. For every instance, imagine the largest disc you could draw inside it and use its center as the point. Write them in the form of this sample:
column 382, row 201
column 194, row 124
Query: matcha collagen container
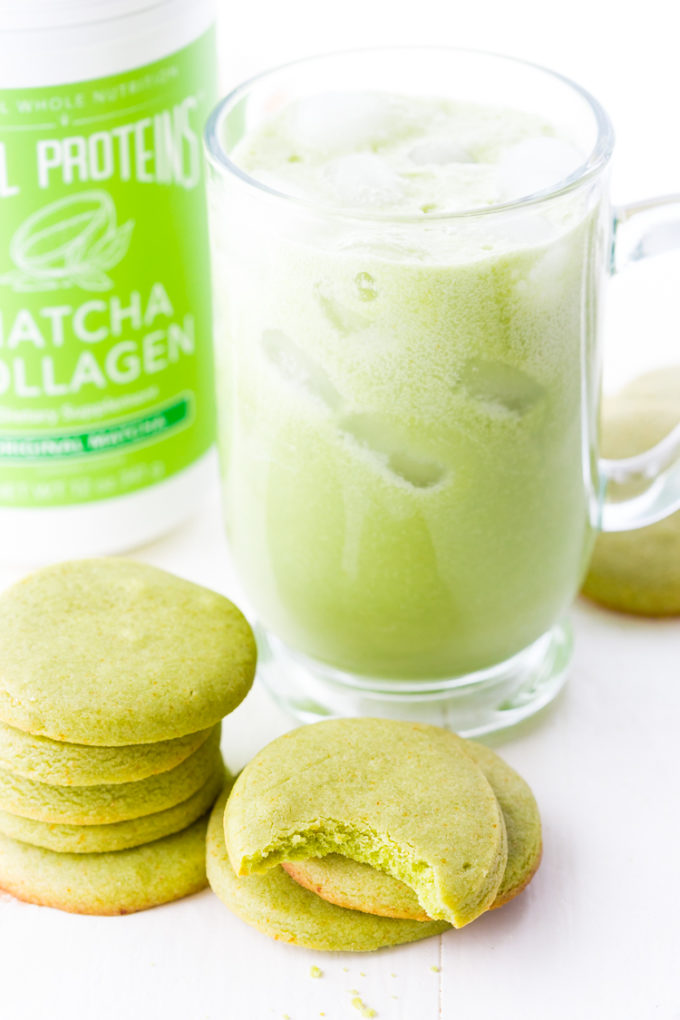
column 106, row 408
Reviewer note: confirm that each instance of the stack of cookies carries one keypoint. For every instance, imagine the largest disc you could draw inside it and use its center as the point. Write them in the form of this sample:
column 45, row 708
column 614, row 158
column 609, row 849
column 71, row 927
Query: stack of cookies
column 354, row 834
column 114, row 677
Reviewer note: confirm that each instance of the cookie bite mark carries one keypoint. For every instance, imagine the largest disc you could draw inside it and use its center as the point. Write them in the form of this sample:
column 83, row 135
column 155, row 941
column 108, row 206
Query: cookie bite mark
column 404, row 798
column 276, row 905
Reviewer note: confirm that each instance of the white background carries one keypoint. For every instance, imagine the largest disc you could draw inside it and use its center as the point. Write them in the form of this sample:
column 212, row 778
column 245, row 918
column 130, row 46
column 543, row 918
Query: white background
column 595, row 935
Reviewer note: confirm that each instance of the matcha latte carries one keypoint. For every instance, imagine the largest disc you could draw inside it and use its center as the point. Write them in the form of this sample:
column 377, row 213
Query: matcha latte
column 401, row 342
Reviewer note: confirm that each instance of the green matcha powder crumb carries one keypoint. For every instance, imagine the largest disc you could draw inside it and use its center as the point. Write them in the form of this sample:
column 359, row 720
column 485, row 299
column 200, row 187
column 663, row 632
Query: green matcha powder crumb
column 315, row 972
column 365, row 1010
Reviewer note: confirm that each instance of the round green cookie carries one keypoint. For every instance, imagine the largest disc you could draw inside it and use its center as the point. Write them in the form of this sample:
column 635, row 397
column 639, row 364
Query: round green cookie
column 121, row 882
column 403, row 797
column 278, row 906
column 112, row 652
column 61, row 764
column 360, row 887
column 639, row 571
column 100, row 805
column 85, row 839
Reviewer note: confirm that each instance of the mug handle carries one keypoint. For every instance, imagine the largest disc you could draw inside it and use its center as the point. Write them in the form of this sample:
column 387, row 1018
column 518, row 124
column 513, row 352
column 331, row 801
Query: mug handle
column 641, row 230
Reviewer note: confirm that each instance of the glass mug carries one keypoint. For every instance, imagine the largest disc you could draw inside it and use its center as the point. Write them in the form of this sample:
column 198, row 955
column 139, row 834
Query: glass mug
column 408, row 410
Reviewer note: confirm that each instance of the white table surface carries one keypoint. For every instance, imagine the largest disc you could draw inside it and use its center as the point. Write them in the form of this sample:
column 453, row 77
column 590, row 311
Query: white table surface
column 595, row 936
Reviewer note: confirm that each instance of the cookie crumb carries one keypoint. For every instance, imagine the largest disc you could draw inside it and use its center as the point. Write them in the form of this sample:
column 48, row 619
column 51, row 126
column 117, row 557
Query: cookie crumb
column 315, row 972
column 365, row 1010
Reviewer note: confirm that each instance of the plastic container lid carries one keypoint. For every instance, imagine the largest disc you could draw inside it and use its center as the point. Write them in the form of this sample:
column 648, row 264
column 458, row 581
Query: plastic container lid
column 47, row 43
column 28, row 15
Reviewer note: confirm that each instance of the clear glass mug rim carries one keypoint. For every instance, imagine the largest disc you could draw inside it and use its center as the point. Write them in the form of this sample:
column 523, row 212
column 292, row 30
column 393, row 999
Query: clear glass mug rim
column 595, row 163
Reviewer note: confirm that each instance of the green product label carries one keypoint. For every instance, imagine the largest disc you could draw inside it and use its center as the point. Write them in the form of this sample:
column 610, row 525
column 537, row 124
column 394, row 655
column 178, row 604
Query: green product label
column 105, row 320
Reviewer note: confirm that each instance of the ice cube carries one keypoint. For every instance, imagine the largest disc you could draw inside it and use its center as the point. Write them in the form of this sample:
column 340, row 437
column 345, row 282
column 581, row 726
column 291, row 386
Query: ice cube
column 335, row 121
column 536, row 164
column 340, row 315
column 298, row 367
column 552, row 274
column 439, row 151
column 501, row 387
column 393, row 449
column 417, row 471
column 364, row 179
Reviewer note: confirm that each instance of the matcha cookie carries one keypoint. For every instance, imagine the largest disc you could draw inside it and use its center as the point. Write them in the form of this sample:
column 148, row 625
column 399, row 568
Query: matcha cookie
column 84, row 839
column 402, row 797
column 639, row 571
column 121, row 882
column 356, row 886
column 112, row 652
column 100, row 805
column 60, row 764
column 281, row 908
column 360, row 887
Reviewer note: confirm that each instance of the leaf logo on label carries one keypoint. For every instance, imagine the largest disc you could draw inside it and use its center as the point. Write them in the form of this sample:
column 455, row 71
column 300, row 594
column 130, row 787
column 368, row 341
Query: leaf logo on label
column 74, row 241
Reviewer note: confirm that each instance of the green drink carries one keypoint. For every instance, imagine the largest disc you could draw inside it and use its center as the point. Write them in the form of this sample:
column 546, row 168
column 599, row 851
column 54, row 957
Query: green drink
column 403, row 500
column 407, row 388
